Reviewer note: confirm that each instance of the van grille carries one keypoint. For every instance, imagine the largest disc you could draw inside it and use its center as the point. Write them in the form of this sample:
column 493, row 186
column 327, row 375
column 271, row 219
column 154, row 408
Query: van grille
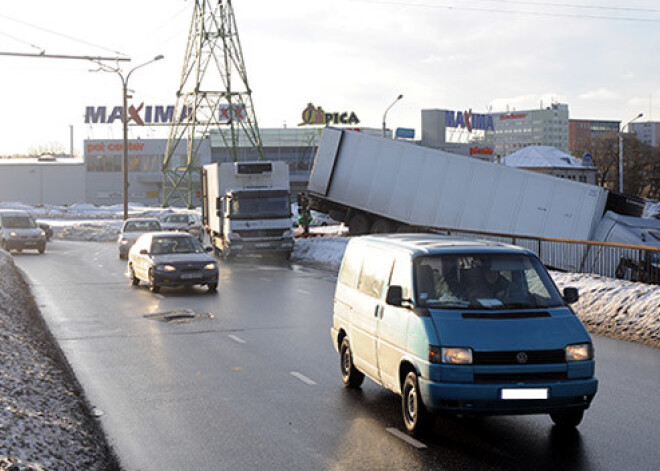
column 530, row 357
column 484, row 378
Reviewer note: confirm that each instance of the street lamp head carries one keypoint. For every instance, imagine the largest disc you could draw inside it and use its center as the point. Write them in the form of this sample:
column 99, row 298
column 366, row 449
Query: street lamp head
column 159, row 57
column 640, row 115
column 399, row 97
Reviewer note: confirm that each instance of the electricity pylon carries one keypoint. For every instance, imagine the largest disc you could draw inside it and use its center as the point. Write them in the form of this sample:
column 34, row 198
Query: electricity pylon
column 214, row 94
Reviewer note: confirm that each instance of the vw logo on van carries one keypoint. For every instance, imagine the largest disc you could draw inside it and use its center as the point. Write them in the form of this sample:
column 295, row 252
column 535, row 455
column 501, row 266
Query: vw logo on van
column 521, row 357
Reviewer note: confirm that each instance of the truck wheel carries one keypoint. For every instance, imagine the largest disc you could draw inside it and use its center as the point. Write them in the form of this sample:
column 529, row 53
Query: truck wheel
column 381, row 226
column 351, row 377
column 416, row 418
column 358, row 225
column 570, row 418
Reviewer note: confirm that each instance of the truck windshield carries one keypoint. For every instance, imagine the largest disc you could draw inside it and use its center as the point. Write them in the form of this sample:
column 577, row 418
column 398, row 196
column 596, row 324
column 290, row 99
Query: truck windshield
column 484, row 281
column 243, row 207
column 18, row 222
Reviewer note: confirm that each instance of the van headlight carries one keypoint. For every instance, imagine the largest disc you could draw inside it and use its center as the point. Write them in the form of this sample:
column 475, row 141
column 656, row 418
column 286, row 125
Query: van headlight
column 210, row 266
column 168, row 268
column 450, row 355
column 579, row 352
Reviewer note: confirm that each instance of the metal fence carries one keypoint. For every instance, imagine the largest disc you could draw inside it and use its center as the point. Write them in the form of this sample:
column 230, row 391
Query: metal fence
column 629, row 262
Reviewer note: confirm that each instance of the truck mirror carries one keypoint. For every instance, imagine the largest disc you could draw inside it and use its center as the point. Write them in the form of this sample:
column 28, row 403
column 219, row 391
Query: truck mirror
column 571, row 295
column 394, row 296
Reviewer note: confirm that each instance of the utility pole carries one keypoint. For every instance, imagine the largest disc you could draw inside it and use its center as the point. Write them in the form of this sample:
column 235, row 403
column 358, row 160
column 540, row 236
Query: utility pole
column 213, row 97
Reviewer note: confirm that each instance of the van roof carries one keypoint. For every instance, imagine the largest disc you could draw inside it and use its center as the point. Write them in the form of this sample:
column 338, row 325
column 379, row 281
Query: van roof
column 425, row 244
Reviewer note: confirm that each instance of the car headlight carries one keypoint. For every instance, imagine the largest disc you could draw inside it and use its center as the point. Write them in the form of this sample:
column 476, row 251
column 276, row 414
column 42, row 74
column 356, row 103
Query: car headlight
column 579, row 352
column 13, row 234
column 210, row 266
column 451, row 355
column 123, row 242
column 43, row 234
column 169, row 268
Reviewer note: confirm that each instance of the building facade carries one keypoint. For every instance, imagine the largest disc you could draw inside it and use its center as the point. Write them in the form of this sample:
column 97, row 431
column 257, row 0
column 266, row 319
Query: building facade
column 583, row 134
column 648, row 133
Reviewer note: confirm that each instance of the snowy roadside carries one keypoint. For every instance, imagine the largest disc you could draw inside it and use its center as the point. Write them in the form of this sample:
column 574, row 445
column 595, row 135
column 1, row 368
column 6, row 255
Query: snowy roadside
column 44, row 421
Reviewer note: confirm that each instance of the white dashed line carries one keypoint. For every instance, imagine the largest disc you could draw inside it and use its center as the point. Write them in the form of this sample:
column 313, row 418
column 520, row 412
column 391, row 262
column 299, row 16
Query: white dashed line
column 303, row 378
column 159, row 296
column 236, row 339
column 302, row 291
column 406, row 438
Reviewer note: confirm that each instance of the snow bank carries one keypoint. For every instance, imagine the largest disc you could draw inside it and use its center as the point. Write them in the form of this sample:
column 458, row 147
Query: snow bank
column 44, row 424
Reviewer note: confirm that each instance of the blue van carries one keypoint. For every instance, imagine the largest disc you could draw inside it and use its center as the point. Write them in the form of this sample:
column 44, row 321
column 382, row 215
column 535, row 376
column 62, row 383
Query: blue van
column 460, row 326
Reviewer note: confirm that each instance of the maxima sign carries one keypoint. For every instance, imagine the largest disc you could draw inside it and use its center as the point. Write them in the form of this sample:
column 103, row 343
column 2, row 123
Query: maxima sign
column 157, row 114
column 469, row 120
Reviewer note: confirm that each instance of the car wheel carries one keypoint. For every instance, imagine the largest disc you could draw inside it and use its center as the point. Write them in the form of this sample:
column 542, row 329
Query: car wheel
column 153, row 287
column 42, row 248
column 416, row 418
column 134, row 279
column 3, row 245
column 570, row 418
column 351, row 377
column 213, row 287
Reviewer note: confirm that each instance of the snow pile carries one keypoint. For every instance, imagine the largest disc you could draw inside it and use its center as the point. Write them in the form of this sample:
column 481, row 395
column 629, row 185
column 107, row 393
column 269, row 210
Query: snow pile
column 619, row 309
column 44, row 424
column 615, row 308
column 89, row 231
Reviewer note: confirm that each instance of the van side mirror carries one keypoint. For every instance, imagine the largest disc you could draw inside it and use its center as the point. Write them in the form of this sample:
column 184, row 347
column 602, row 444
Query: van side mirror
column 571, row 295
column 394, row 297
column 144, row 252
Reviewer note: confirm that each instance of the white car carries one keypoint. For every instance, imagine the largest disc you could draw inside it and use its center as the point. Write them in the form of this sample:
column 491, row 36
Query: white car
column 184, row 222
column 132, row 229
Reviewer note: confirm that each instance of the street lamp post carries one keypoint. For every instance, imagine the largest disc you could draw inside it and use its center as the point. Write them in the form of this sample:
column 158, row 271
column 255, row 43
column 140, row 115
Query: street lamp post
column 621, row 151
column 388, row 109
column 124, row 83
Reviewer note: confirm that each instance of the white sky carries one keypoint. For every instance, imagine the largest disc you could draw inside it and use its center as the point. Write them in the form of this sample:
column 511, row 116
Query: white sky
column 344, row 55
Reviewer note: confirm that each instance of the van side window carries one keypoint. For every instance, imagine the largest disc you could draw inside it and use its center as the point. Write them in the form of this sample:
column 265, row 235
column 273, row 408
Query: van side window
column 376, row 270
column 350, row 267
column 401, row 276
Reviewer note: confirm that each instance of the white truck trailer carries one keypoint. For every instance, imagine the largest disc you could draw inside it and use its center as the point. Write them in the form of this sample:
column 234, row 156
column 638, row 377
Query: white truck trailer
column 246, row 207
column 381, row 185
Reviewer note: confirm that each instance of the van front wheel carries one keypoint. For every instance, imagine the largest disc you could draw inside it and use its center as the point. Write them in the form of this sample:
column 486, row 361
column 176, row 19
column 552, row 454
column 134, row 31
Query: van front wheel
column 351, row 377
column 568, row 418
column 416, row 418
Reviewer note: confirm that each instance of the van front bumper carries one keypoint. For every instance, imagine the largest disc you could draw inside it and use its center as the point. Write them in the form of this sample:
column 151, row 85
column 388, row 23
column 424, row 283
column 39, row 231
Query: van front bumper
column 486, row 399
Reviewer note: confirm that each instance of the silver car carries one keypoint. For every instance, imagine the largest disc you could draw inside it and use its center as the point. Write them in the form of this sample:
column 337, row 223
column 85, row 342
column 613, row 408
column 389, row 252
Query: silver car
column 19, row 230
column 184, row 222
column 132, row 229
column 171, row 259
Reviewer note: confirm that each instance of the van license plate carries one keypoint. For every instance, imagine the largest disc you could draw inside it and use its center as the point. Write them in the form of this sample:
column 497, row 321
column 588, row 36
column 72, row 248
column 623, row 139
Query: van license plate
column 519, row 393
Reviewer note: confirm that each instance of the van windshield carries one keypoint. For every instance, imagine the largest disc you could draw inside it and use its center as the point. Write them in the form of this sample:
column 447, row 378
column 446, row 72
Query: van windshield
column 18, row 222
column 484, row 281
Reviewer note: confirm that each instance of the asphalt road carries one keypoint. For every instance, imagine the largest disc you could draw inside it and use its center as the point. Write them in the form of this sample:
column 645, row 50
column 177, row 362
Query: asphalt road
column 252, row 381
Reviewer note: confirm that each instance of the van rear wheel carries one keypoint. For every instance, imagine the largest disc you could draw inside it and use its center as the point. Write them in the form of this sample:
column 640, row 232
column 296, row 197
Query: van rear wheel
column 351, row 377
column 416, row 418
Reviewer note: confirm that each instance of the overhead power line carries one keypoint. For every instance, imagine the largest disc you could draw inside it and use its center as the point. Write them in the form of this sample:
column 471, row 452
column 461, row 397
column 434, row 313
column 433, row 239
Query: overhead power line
column 461, row 7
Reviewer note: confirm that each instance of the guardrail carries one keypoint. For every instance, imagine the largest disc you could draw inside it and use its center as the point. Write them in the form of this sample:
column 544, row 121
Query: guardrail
column 623, row 261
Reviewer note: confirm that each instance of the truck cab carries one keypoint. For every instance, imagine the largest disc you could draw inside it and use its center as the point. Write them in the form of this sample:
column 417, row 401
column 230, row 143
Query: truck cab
column 246, row 208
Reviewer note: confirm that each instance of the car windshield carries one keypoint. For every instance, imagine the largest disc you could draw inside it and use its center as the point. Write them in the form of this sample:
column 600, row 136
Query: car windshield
column 18, row 222
column 168, row 245
column 142, row 226
column 484, row 281
column 176, row 218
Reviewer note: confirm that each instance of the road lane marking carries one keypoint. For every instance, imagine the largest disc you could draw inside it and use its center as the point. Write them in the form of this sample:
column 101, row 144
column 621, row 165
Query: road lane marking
column 406, row 438
column 159, row 296
column 303, row 378
column 236, row 339
column 302, row 291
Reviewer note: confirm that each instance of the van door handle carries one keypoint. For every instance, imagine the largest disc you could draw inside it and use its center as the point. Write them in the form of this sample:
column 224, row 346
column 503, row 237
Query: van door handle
column 378, row 312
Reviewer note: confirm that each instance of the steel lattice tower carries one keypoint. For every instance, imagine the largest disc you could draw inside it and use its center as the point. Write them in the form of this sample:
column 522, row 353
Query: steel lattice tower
column 214, row 94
